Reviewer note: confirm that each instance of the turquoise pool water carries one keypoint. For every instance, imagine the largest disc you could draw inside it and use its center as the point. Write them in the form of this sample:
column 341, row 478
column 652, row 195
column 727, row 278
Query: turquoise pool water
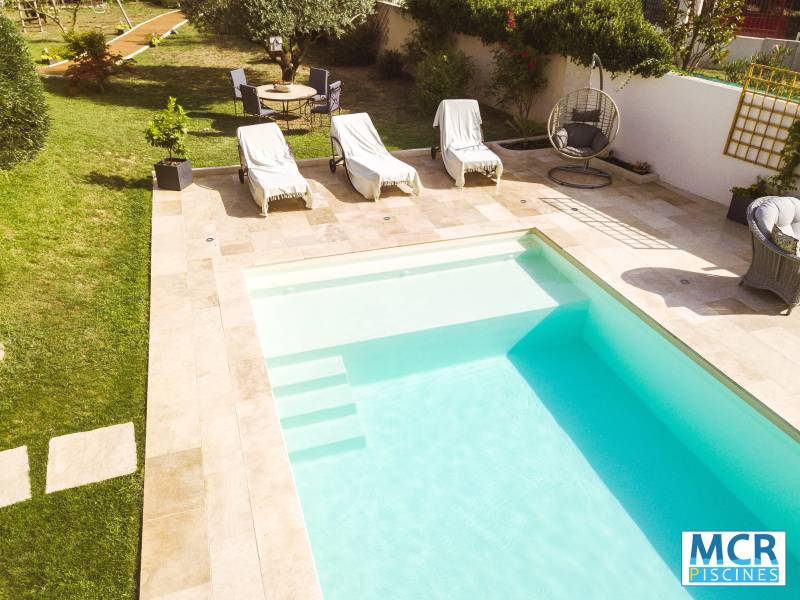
column 479, row 419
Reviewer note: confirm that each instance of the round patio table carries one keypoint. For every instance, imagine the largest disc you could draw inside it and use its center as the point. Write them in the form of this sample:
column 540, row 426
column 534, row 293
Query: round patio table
column 297, row 93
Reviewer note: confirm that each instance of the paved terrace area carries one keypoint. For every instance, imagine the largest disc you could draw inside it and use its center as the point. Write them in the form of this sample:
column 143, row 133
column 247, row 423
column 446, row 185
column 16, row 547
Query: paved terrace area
column 221, row 515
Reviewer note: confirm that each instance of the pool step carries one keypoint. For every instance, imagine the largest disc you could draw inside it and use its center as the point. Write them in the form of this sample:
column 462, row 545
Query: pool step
column 307, row 375
column 325, row 438
column 313, row 406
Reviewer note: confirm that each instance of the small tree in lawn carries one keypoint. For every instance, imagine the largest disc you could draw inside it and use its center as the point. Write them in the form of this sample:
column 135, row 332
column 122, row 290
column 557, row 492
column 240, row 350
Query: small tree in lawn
column 94, row 63
column 168, row 129
column 701, row 29
column 298, row 22
column 517, row 78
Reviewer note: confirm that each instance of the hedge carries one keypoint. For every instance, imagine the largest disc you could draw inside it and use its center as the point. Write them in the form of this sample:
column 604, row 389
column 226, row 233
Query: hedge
column 23, row 109
column 615, row 29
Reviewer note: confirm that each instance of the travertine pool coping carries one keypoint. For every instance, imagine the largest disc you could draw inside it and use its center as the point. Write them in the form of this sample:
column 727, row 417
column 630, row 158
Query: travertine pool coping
column 221, row 514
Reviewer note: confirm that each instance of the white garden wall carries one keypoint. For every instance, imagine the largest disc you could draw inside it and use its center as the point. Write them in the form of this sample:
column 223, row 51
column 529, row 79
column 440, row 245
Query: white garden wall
column 680, row 125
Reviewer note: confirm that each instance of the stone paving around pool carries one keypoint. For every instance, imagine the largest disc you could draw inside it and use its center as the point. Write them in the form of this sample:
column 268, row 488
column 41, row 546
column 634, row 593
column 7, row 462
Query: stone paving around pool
column 221, row 514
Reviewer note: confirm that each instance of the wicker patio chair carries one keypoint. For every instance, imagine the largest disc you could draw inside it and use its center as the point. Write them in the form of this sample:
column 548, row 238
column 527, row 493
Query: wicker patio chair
column 771, row 268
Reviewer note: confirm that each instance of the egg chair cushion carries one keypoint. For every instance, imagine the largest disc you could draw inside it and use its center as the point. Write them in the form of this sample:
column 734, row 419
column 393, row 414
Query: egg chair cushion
column 580, row 140
column 587, row 116
column 783, row 211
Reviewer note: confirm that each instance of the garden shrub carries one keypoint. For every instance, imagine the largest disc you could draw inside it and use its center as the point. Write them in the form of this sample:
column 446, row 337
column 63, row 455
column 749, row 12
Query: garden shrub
column 390, row 65
column 736, row 70
column 429, row 37
column 168, row 129
column 358, row 46
column 614, row 29
column 23, row 110
column 517, row 78
column 443, row 75
column 94, row 63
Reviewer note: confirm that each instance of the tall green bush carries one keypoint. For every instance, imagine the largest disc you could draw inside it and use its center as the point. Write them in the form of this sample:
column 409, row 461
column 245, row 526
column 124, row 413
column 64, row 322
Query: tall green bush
column 614, row 29
column 443, row 75
column 23, row 109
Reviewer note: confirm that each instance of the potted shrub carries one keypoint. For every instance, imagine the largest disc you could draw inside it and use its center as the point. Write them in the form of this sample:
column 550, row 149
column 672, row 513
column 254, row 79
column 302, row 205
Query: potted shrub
column 780, row 184
column 743, row 196
column 168, row 130
column 120, row 28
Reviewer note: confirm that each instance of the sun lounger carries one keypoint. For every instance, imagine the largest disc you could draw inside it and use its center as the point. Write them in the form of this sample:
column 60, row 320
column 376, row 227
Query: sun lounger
column 461, row 141
column 271, row 170
column 368, row 163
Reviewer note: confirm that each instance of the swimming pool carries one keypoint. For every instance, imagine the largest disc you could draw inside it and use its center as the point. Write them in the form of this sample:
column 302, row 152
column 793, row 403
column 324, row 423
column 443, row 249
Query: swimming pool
column 481, row 419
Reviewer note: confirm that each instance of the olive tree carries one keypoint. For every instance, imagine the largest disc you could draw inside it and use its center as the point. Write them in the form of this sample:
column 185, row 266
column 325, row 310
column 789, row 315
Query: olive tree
column 23, row 109
column 701, row 30
column 299, row 23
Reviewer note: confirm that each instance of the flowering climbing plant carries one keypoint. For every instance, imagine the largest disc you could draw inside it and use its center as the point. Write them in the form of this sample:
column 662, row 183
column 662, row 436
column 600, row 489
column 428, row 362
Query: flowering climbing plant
column 517, row 78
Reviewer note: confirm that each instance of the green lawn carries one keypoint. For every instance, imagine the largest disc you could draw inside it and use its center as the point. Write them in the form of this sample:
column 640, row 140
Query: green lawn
column 74, row 263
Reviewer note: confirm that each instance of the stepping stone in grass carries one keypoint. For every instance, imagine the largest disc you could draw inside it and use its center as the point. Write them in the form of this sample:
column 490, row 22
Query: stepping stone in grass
column 15, row 486
column 90, row 456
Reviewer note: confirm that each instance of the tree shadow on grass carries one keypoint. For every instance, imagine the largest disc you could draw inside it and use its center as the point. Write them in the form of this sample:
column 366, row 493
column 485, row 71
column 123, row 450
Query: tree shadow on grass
column 118, row 182
column 149, row 86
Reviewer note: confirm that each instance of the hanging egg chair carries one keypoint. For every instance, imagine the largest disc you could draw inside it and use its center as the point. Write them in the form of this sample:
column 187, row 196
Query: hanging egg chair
column 582, row 126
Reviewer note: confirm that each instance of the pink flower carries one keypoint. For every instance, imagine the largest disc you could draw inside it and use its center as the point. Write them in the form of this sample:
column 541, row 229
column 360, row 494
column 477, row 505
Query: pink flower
column 511, row 23
column 525, row 53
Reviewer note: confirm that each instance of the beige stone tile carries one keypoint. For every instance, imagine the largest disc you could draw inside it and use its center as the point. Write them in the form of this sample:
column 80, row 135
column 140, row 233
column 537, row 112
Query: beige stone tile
column 15, row 485
column 171, row 430
column 288, row 566
column 201, row 592
column 173, row 484
column 90, row 456
column 208, row 340
column 250, row 379
column 495, row 212
column 222, row 449
column 174, row 554
column 202, row 285
column 167, row 208
column 228, row 505
column 237, row 313
column 235, row 568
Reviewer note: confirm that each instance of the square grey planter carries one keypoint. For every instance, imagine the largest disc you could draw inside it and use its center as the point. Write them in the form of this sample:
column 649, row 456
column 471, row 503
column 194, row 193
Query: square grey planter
column 737, row 211
column 174, row 176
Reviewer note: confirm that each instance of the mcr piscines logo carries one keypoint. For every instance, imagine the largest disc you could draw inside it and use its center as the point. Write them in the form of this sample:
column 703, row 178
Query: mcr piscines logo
column 733, row 558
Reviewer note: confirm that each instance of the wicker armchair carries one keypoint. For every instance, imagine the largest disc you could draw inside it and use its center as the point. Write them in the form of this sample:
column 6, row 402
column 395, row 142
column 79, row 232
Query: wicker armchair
column 771, row 268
